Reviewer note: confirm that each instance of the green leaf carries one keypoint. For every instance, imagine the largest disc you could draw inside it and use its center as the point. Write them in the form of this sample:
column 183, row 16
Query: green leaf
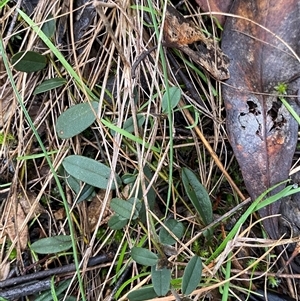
column 127, row 209
column 85, row 193
column 161, row 280
column 47, row 296
column 192, row 275
column 49, row 84
column 48, row 27
column 28, row 61
column 116, row 222
column 128, row 124
column 2, row 4
column 175, row 95
column 89, row 171
column 72, row 182
column 176, row 227
column 197, row 195
column 128, row 178
column 151, row 195
column 144, row 256
column 52, row 244
column 76, row 119
column 144, row 293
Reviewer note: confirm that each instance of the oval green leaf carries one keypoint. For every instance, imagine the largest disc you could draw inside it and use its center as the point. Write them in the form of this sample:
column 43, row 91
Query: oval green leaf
column 85, row 193
column 89, row 171
column 76, row 119
column 28, row 61
column 176, row 227
column 175, row 95
column 128, row 178
column 144, row 256
column 161, row 280
column 197, row 195
column 49, row 27
column 192, row 275
column 128, row 124
column 72, row 182
column 116, row 222
column 144, row 293
column 151, row 195
column 54, row 244
column 127, row 209
column 49, row 84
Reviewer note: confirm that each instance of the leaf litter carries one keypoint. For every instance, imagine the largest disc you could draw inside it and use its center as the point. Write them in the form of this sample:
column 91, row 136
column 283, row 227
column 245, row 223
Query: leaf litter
column 94, row 55
column 262, row 132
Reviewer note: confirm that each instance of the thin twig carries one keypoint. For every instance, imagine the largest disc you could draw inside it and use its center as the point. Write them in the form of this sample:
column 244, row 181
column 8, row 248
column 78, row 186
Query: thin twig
column 143, row 55
column 26, row 289
column 120, row 281
column 56, row 271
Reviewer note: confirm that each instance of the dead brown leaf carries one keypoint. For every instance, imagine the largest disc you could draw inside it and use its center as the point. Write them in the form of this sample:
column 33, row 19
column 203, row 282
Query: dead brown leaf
column 26, row 201
column 262, row 132
column 95, row 208
column 14, row 221
column 60, row 214
column 4, row 271
column 6, row 96
column 15, row 215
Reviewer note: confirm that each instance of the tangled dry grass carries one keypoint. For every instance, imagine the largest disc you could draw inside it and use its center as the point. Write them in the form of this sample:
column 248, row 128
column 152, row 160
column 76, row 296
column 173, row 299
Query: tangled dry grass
column 103, row 41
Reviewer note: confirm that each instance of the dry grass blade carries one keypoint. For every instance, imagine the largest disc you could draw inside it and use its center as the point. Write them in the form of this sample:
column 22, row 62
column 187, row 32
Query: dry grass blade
column 212, row 153
column 105, row 43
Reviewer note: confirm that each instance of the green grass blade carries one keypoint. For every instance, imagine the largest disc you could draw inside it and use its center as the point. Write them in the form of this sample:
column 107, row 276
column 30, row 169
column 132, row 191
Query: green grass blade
column 58, row 54
column 26, row 114
column 253, row 207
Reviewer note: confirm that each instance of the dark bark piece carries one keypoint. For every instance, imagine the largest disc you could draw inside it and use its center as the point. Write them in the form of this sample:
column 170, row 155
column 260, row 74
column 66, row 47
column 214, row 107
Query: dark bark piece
column 262, row 132
column 180, row 33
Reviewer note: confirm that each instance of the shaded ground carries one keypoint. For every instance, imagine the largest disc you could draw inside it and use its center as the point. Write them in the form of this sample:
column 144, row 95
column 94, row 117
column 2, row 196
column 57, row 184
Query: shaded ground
column 102, row 45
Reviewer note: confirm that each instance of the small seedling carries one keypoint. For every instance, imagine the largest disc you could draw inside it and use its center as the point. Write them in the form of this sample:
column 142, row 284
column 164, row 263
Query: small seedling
column 281, row 88
column 6, row 139
column 273, row 281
